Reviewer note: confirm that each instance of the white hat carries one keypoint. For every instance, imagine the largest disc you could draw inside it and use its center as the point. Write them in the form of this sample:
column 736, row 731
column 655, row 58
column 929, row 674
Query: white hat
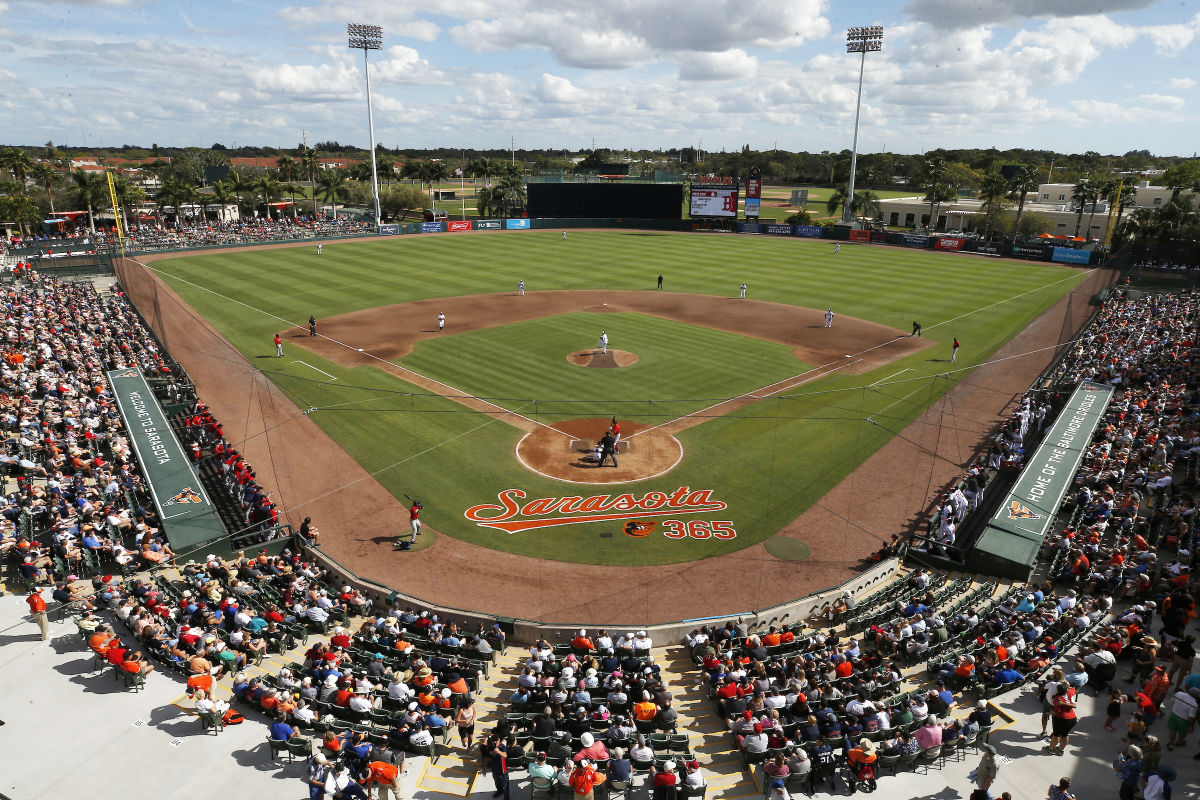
column 587, row 740
column 345, row 590
column 641, row 633
column 668, row 766
column 567, row 672
column 445, row 692
column 583, row 631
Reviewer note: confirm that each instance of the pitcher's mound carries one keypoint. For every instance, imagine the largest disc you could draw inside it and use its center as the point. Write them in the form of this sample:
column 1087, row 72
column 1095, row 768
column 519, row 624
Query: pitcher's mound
column 564, row 452
column 609, row 360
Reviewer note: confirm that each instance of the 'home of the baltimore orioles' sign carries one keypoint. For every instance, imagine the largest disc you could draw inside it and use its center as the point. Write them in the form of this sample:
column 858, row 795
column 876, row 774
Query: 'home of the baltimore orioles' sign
column 512, row 516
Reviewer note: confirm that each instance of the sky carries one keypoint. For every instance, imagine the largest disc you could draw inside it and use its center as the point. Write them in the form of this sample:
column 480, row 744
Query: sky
column 1067, row 75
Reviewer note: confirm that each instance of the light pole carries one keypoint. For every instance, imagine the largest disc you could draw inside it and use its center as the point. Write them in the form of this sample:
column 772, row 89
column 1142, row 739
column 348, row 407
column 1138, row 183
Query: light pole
column 859, row 40
column 368, row 37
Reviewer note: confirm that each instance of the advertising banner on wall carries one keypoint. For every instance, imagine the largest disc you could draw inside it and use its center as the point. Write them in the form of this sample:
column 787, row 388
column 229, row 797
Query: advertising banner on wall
column 389, row 230
column 459, row 225
column 431, row 227
column 754, row 192
column 990, row 249
column 860, row 236
column 949, row 243
column 1069, row 255
column 749, row 227
column 808, row 231
column 914, row 240
column 879, row 237
column 779, row 230
column 753, row 207
column 516, row 224
column 1035, row 251
column 713, row 202
column 488, row 225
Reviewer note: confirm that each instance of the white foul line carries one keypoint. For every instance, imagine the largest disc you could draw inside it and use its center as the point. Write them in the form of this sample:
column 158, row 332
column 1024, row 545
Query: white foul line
column 889, row 377
column 894, row 402
column 310, row 366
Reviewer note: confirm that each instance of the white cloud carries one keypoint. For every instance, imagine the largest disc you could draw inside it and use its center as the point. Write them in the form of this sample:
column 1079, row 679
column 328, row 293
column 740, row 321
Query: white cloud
column 1181, row 83
column 972, row 13
column 404, row 66
column 1170, row 39
column 735, row 64
column 557, row 89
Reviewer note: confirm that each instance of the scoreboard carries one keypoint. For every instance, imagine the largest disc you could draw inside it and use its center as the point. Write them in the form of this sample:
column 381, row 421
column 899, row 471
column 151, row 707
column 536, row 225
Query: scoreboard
column 714, row 201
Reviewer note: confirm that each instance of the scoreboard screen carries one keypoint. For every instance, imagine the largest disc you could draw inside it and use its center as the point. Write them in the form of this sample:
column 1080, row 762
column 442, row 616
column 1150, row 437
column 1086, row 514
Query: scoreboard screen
column 714, row 201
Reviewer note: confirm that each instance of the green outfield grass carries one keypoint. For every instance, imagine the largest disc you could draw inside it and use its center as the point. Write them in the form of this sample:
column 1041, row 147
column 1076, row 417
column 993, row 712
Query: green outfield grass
column 769, row 461
column 680, row 367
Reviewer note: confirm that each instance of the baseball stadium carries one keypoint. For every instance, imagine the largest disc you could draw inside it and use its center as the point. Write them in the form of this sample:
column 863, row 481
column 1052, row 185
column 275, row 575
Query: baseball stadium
column 615, row 487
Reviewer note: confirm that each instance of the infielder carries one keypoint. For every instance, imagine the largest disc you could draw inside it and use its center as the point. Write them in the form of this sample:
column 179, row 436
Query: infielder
column 742, row 292
column 603, row 343
column 916, row 330
column 829, row 318
column 521, row 288
column 441, row 322
column 278, row 346
column 319, row 248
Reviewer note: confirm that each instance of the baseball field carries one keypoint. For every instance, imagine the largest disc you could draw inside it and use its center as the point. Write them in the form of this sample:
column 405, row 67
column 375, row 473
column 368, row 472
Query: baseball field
column 737, row 415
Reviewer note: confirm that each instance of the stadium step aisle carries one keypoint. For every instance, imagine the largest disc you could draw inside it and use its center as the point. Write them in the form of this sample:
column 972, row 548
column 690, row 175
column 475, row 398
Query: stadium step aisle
column 707, row 734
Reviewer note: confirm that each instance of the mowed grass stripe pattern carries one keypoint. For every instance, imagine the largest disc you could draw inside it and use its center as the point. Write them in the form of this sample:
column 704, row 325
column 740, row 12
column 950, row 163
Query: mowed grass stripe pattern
column 681, row 367
column 769, row 461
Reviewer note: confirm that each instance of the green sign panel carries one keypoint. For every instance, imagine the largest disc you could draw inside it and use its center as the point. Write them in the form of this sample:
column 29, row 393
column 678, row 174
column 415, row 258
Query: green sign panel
column 1050, row 471
column 189, row 517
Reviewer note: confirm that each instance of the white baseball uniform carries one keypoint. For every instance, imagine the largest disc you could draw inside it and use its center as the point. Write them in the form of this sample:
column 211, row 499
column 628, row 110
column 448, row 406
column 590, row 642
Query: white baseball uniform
column 829, row 318
column 603, row 342
column 441, row 322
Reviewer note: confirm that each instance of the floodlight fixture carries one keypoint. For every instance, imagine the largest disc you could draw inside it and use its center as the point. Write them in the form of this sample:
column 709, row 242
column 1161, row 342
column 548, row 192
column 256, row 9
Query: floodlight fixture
column 366, row 38
column 859, row 40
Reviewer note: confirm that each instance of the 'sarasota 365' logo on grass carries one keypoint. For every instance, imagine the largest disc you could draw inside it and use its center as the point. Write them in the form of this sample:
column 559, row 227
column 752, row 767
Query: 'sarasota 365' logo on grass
column 513, row 516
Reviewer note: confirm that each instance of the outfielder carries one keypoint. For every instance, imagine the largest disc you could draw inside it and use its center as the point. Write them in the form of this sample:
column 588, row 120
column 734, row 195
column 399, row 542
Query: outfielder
column 441, row 322
column 564, row 236
column 521, row 288
column 837, row 248
column 742, row 292
column 603, row 343
column 829, row 318
column 319, row 248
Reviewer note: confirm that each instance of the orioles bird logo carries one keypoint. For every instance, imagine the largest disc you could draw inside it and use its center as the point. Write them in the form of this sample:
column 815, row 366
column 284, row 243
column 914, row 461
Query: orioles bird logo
column 638, row 529
column 186, row 496
column 132, row 373
column 1018, row 511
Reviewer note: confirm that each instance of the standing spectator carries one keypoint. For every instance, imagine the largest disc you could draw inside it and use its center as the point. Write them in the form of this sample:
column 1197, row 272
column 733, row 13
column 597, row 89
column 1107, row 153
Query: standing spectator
column 1181, row 720
column 1158, row 783
column 1063, row 719
column 498, row 756
column 37, row 609
column 1130, row 771
column 984, row 775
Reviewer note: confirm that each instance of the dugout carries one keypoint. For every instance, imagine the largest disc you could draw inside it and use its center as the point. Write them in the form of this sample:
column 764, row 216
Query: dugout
column 620, row 200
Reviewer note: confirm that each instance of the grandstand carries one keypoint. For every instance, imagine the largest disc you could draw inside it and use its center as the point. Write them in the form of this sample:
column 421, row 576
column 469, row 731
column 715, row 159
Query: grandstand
column 262, row 631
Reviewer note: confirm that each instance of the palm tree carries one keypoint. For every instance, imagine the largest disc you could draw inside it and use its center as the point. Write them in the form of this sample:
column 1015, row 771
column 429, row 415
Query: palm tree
column 992, row 192
column 269, row 189
column 1102, row 189
column 242, row 186
column 865, row 203
column 1128, row 197
column 19, row 163
column 1081, row 195
column 361, row 171
column 1024, row 182
column 90, row 189
column 222, row 193
column 937, row 193
column 44, row 173
column 177, row 194
column 309, row 161
column 291, row 189
column 287, row 166
column 935, row 188
column 509, row 195
column 128, row 196
column 332, row 186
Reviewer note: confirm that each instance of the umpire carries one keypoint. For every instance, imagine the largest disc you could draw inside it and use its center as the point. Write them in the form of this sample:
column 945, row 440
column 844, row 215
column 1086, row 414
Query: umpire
column 608, row 449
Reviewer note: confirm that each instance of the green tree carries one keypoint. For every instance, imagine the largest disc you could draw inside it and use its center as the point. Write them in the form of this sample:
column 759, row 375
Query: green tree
column 1021, row 184
column 1185, row 175
column 865, row 204
column 91, row 189
column 269, row 190
column 18, row 162
column 993, row 192
column 46, row 175
column 287, row 167
column 361, row 171
column 937, row 193
column 291, row 189
column 242, row 187
column 402, row 198
column 129, row 196
column 222, row 194
column 16, row 207
column 177, row 194
column 1081, row 195
column 332, row 187
column 308, row 162
column 508, row 196
column 933, row 182
column 800, row 218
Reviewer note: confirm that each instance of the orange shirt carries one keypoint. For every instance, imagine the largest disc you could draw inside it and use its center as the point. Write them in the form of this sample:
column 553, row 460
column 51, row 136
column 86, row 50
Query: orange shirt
column 844, row 669
column 36, row 604
column 382, row 772
column 99, row 642
column 645, row 710
column 771, row 639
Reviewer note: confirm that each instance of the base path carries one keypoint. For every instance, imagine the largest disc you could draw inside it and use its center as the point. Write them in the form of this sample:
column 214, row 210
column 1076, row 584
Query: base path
column 312, row 475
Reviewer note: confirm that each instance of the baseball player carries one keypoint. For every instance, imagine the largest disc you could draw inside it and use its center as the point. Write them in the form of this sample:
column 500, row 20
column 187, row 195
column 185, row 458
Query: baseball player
column 742, row 292
column 603, row 344
column 615, row 430
column 441, row 322
column 837, row 248
column 564, row 236
column 660, row 282
column 954, row 349
column 414, row 519
column 319, row 248
column 521, row 288
column 278, row 346
column 312, row 325
column 829, row 318
column 916, row 330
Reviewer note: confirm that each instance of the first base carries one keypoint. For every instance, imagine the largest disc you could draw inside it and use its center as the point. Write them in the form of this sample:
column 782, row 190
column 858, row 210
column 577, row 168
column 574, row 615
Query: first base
column 360, row 350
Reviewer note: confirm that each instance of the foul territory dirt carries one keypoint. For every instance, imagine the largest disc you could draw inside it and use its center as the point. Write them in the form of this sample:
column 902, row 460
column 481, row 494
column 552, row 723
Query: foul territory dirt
column 312, row 476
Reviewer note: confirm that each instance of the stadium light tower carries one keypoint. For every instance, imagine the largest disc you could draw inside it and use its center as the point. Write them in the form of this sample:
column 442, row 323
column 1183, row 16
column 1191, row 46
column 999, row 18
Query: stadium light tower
column 366, row 38
column 859, row 40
